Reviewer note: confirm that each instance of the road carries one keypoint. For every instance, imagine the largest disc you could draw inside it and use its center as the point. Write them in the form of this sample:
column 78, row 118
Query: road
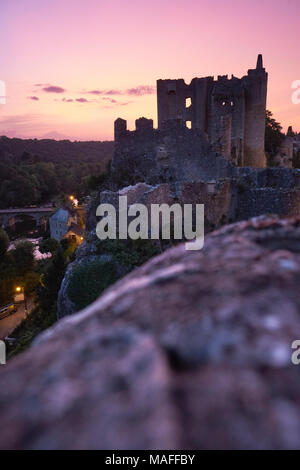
column 9, row 324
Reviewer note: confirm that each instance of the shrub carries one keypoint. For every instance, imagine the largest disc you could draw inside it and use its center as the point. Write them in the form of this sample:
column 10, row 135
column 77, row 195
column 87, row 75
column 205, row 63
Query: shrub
column 49, row 245
column 88, row 280
column 34, row 324
column 128, row 252
column 4, row 243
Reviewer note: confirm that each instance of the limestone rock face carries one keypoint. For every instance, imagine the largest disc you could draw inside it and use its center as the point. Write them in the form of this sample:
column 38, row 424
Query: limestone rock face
column 191, row 350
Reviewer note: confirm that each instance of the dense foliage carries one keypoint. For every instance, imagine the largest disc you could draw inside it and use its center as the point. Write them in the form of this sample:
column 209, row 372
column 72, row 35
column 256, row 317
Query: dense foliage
column 34, row 324
column 51, row 277
column 4, row 242
column 49, row 245
column 128, row 252
column 47, row 168
column 273, row 136
column 88, row 280
column 46, row 282
column 17, row 267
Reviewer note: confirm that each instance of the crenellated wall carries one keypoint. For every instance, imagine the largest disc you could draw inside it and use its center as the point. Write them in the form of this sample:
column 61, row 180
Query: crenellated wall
column 172, row 153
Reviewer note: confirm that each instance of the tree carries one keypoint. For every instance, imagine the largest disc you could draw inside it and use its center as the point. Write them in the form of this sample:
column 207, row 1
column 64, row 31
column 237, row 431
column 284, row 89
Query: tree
column 31, row 281
column 273, row 136
column 88, row 280
column 4, row 243
column 51, row 281
column 23, row 258
column 50, row 245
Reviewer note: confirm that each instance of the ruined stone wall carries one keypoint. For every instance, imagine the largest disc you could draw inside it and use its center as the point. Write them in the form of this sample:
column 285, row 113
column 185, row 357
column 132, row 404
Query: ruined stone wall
column 255, row 202
column 217, row 197
column 228, row 106
column 172, row 96
column 212, row 103
column 277, row 178
column 246, row 193
column 171, row 154
column 255, row 116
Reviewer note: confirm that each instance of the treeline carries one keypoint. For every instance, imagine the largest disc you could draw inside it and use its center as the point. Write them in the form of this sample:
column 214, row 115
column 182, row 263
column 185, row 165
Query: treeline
column 12, row 150
column 36, row 183
column 31, row 179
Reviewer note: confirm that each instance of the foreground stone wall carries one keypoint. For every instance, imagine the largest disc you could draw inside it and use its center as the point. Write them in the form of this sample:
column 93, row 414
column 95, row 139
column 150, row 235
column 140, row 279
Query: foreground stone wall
column 192, row 350
column 245, row 192
column 252, row 202
column 218, row 198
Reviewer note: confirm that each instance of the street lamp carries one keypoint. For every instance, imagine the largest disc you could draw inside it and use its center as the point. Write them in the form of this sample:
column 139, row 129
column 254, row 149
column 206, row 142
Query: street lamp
column 18, row 290
column 73, row 200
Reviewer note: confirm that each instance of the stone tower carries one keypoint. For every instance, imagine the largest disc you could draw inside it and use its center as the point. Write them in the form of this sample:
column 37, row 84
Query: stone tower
column 229, row 112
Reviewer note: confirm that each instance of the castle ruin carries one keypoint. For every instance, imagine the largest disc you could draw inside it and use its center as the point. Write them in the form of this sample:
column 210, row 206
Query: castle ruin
column 197, row 123
column 230, row 112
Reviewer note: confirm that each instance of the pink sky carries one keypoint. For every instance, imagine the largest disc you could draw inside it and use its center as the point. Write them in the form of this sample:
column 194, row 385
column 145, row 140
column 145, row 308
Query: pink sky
column 120, row 48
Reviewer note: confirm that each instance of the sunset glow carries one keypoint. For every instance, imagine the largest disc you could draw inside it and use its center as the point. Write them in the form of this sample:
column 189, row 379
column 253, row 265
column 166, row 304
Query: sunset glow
column 72, row 67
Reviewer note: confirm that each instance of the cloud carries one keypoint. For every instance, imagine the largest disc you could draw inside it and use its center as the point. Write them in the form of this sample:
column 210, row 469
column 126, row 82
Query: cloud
column 42, row 84
column 141, row 90
column 113, row 92
column 136, row 91
column 34, row 98
column 117, row 103
column 105, row 92
column 73, row 100
column 111, row 100
column 96, row 92
column 54, row 89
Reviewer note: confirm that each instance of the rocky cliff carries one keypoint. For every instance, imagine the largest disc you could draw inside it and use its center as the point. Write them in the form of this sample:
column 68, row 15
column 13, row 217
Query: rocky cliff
column 191, row 350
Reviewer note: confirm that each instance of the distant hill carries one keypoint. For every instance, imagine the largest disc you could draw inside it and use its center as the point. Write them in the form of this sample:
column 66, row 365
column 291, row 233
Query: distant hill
column 16, row 150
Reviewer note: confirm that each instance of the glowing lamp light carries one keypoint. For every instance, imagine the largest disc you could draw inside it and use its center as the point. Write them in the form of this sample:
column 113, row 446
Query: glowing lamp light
column 18, row 289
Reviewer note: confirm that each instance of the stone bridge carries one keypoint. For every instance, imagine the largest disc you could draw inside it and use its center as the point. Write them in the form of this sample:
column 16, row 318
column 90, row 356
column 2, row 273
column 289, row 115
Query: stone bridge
column 39, row 214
